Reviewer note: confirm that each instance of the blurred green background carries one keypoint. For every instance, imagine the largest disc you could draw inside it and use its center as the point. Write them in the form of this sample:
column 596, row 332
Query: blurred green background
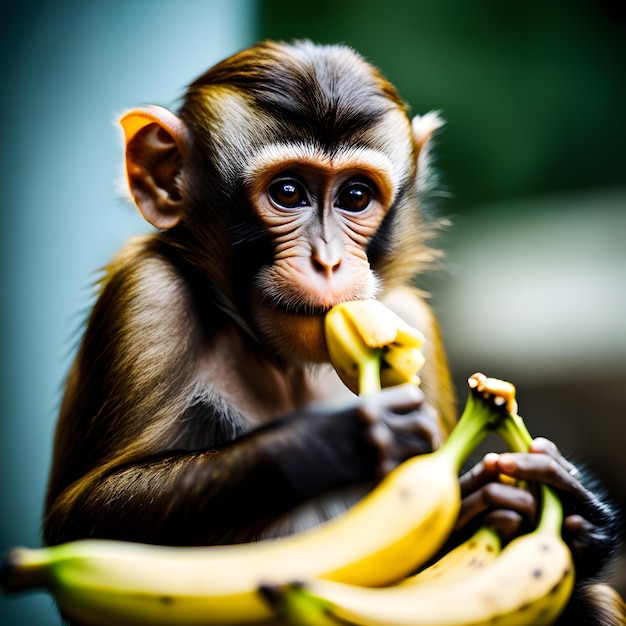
column 533, row 178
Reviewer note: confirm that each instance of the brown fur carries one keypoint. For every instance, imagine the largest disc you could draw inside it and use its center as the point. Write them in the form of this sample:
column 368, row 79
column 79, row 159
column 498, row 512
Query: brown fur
column 596, row 604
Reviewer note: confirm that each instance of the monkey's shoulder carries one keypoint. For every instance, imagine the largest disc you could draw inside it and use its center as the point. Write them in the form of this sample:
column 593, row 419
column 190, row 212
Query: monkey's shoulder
column 143, row 311
column 143, row 269
column 148, row 291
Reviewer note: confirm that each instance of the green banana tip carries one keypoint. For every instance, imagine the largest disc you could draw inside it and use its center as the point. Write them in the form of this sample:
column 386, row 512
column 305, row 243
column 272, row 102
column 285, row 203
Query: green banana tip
column 295, row 604
column 274, row 593
column 369, row 373
column 9, row 570
column 23, row 568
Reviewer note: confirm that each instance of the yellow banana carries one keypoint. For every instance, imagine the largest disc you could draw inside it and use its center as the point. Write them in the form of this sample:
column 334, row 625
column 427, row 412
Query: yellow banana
column 528, row 584
column 397, row 527
column 463, row 560
column 361, row 332
column 404, row 362
column 356, row 363
column 375, row 323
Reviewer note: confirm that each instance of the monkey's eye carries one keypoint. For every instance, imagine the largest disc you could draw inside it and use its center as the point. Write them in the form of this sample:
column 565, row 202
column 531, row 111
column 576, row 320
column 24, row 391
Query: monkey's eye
column 287, row 193
column 355, row 197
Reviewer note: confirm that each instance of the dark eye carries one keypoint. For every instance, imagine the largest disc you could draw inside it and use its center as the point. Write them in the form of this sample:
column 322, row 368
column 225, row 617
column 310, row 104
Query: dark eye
column 355, row 197
column 287, row 193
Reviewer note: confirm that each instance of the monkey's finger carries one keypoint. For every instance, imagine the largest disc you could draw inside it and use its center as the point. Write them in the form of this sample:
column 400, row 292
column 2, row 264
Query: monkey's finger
column 420, row 421
column 506, row 522
column 583, row 536
column 483, row 472
column 381, row 438
column 497, row 496
column 423, row 436
column 402, row 398
column 542, row 468
column 543, row 445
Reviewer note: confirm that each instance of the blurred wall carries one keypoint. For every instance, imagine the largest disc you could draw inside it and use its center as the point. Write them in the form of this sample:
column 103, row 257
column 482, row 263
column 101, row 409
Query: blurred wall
column 533, row 177
column 68, row 69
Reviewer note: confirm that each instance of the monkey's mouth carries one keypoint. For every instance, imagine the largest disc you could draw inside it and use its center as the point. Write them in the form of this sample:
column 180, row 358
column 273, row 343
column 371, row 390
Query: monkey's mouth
column 301, row 310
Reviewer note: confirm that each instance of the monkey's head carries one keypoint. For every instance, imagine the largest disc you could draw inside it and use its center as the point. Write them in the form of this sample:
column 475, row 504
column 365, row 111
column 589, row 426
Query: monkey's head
column 290, row 179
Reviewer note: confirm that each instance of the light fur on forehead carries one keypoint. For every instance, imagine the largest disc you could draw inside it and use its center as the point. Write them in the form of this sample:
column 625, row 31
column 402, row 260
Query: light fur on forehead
column 394, row 137
column 276, row 154
column 390, row 155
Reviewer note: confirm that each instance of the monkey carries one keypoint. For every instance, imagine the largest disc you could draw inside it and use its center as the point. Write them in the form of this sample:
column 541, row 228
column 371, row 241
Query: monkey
column 201, row 408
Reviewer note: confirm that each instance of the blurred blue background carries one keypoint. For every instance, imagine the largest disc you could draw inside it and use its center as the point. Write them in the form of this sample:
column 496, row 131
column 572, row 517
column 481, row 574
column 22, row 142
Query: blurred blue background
column 533, row 177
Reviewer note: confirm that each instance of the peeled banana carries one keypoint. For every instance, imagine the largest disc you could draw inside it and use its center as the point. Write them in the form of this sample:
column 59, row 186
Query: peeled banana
column 362, row 336
column 356, row 363
column 397, row 527
column 528, row 584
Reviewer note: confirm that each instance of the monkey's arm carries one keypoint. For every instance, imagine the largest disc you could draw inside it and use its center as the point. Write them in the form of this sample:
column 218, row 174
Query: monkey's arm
column 229, row 494
column 156, row 441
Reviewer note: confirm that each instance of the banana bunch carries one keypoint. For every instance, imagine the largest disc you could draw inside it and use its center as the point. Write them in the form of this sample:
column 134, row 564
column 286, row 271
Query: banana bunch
column 396, row 528
column 371, row 347
column 528, row 583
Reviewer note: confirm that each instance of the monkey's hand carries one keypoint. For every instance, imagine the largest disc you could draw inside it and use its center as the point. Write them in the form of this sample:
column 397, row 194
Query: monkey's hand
column 359, row 443
column 399, row 424
column 491, row 488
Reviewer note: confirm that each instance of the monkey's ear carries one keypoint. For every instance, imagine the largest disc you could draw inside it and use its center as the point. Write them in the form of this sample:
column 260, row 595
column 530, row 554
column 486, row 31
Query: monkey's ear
column 423, row 127
column 155, row 139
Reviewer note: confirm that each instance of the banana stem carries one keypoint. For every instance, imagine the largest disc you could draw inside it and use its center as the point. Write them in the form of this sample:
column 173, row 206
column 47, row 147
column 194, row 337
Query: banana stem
column 23, row 568
column 479, row 416
column 515, row 434
column 369, row 374
column 551, row 519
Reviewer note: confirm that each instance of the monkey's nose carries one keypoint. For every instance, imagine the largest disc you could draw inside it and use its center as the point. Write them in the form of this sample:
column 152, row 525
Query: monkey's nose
column 326, row 257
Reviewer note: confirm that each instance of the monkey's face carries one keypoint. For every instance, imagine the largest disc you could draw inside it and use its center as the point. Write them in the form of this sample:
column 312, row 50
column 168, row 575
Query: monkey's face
column 320, row 211
column 324, row 150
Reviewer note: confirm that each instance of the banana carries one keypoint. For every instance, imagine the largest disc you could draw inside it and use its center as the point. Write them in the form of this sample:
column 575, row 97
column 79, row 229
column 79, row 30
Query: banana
column 375, row 323
column 404, row 362
column 394, row 529
column 528, row 584
column 356, row 363
column 463, row 560
column 360, row 333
